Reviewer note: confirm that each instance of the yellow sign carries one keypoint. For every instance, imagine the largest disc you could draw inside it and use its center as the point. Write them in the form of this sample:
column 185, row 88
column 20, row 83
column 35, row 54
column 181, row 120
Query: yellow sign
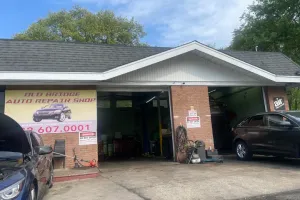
column 53, row 111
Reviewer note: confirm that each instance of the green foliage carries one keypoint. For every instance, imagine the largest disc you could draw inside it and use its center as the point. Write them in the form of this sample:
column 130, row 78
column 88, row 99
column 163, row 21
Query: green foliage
column 81, row 25
column 272, row 25
column 294, row 98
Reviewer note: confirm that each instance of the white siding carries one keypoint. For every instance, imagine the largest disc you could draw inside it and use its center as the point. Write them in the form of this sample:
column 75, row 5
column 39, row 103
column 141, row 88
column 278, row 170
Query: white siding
column 189, row 67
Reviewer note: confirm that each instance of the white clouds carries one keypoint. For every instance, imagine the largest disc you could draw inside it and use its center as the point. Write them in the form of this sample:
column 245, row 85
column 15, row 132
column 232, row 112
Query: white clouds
column 180, row 21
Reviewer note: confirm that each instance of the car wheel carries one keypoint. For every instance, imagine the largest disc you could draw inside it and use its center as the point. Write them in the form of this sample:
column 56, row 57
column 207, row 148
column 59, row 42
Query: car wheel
column 242, row 151
column 32, row 193
column 62, row 117
column 50, row 181
column 36, row 119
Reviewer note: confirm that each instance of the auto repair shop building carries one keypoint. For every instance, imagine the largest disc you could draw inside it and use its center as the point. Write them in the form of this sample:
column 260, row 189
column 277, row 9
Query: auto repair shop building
column 124, row 101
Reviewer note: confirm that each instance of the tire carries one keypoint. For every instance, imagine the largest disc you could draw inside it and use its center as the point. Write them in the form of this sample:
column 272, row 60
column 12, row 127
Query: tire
column 36, row 119
column 62, row 117
column 242, row 151
column 50, row 181
column 32, row 193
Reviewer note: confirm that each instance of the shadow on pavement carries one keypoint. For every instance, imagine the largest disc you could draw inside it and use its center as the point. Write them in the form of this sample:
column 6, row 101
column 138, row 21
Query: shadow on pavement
column 289, row 195
column 267, row 161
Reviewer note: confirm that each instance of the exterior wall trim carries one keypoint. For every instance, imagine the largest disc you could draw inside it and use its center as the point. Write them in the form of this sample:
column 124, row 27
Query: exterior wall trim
column 192, row 46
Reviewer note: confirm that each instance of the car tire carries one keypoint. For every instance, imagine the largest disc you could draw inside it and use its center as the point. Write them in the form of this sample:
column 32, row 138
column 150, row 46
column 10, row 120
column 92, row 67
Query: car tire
column 36, row 119
column 242, row 151
column 50, row 181
column 32, row 193
column 62, row 117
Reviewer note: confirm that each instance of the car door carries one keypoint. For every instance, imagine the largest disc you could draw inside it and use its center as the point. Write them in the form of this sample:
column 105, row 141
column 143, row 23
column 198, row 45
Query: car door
column 256, row 134
column 284, row 134
column 47, row 159
column 39, row 163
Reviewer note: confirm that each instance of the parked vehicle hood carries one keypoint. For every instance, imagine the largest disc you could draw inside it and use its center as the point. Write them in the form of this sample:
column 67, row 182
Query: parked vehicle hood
column 12, row 176
column 12, row 137
column 9, row 168
column 49, row 109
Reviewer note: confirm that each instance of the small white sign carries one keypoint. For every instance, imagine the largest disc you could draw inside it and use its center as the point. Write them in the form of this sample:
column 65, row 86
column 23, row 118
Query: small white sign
column 193, row 122
column 192, row 113
column 87, row 138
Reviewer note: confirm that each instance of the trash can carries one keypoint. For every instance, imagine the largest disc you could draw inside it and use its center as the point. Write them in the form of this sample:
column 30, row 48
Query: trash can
column 200, row 145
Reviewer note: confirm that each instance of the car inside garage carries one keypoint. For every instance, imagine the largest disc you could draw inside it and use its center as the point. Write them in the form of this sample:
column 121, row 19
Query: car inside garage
column 230, row 105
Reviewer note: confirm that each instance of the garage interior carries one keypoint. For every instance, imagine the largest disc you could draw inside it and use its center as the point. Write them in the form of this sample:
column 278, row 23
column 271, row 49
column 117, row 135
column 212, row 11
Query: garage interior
column 229, row 105
column 130, row 125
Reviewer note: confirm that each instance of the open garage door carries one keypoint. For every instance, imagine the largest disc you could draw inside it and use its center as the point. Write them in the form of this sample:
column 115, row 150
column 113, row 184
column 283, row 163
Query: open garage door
column 229, row 105
column 134, row 125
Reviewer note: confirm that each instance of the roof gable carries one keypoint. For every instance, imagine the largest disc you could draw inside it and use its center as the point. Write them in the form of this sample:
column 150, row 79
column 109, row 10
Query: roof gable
column 36, row 60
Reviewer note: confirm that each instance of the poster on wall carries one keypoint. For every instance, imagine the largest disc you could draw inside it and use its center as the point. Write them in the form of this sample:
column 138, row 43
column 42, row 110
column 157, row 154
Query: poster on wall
column 87, row 138
column 278, row 103
column 53, row 111
column 193, row 120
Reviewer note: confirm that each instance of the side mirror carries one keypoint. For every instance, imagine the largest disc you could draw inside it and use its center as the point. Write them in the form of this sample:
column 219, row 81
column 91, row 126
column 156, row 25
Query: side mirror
column 43, row 150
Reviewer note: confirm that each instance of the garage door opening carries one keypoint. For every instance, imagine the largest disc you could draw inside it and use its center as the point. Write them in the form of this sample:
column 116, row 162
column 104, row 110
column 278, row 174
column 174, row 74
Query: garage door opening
column 134, row 126
column 229, row 105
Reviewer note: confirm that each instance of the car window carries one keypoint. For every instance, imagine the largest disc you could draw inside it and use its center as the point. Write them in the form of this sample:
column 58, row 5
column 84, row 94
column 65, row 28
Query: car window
column 38, row 139
column 278, row 121
column 34, row 142
column 256, row 121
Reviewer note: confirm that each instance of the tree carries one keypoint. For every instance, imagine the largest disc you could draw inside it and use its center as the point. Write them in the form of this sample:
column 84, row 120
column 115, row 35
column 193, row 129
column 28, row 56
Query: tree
column 81, row 25
column 272, row 25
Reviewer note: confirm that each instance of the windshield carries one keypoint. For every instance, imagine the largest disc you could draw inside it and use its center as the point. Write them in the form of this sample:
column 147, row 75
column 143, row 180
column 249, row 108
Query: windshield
column 294, row 115
column 56, row 106
column 10, row 156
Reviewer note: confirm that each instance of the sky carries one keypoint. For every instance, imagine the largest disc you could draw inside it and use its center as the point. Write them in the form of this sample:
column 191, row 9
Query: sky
column 167, row 22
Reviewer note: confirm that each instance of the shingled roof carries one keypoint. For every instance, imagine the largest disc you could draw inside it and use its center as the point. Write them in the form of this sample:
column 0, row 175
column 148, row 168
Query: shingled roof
column 48, row 56
column 67, row 56
column 274, row 62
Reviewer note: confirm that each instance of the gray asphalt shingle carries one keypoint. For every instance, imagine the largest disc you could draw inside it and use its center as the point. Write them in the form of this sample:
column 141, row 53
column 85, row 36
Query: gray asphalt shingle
column 68, row 57
column 83, row 57
column 274, row 62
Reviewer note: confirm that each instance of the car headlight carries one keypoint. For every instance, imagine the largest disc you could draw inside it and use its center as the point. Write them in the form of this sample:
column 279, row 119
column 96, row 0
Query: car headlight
column 12, row 191
column 57, row 112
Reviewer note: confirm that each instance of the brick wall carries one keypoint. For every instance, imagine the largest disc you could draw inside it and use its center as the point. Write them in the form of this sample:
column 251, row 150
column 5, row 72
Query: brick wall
column 272, row 92
column 183, row 97
column 85, row 152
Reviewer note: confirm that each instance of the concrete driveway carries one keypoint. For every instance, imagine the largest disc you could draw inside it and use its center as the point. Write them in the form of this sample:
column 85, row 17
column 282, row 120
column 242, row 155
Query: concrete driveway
column 165, row 180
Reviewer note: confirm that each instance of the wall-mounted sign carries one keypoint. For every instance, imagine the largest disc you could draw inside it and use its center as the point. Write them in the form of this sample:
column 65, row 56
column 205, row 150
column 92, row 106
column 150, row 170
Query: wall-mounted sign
column 53, row 111
column 278, row 103
column 193, row 120
column 87, row 138
column 192, row 113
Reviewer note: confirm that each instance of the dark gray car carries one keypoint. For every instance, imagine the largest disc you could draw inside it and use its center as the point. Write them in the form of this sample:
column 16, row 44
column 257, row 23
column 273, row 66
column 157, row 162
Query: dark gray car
column 273, row 133
column 58, row 112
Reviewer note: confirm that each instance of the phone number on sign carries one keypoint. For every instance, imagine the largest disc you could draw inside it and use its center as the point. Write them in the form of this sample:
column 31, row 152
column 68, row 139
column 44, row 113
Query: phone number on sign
column 58, row 129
